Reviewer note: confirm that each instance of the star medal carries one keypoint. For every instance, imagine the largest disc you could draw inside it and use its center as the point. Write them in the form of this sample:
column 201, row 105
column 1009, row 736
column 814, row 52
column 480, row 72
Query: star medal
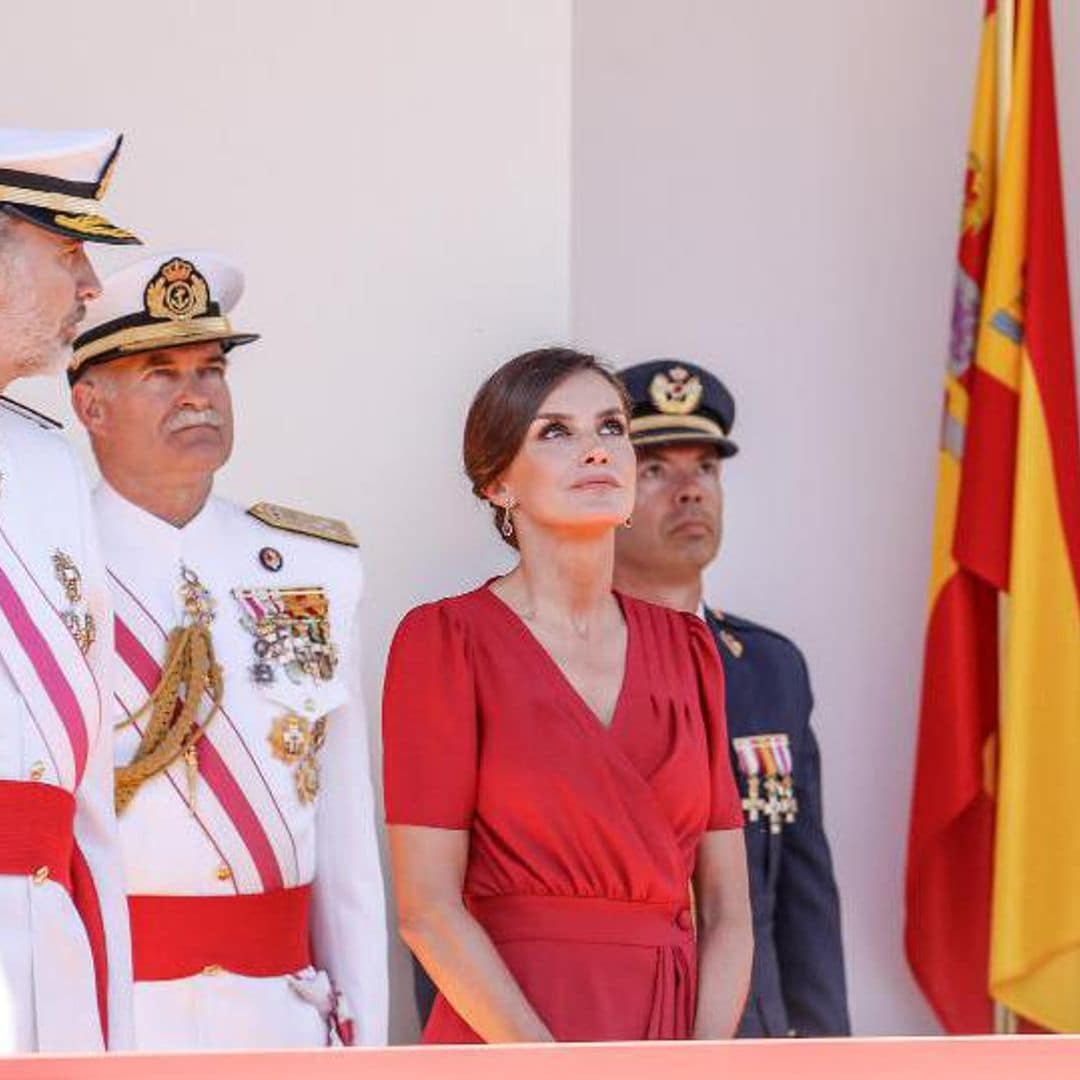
column 290, row 738
column 296, row 742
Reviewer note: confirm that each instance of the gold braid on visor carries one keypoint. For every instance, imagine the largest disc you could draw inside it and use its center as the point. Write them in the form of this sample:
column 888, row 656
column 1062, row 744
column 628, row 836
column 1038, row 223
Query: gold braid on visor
column 49, row 200
column 135, row 339
column 655, row 422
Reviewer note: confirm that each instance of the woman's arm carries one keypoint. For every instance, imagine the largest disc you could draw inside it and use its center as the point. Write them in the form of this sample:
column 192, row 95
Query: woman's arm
column 725, row 933
column 428, row 871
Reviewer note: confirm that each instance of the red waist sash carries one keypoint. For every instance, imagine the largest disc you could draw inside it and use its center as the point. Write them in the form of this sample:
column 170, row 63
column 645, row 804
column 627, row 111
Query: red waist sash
column 586, row 919
column 257, row 934
column 37, row 838
column 36, row 831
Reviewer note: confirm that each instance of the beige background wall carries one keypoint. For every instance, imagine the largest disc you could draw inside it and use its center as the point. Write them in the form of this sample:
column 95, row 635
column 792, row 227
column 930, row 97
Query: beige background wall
column 771, row 188
column 774, row 189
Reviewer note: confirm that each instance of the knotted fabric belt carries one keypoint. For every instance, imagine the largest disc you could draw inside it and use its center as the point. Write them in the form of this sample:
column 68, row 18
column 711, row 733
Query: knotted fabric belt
column 36, row 831
column 667, row 927
column 257, row 934
column 586, row 919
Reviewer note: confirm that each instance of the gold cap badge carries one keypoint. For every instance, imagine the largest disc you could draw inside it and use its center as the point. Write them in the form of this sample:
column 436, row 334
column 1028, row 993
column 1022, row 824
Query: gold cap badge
column 178, row 292
column 676, row 392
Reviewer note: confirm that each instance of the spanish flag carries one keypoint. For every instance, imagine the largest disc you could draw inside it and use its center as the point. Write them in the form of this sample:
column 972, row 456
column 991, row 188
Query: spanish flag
column 993, row 877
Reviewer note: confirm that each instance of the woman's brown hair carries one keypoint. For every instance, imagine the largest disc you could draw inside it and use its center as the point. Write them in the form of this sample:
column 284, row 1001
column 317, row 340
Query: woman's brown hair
column 506, row 404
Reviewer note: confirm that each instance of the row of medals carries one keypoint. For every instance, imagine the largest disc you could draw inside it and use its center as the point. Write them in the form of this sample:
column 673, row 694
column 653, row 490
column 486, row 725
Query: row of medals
column 291, row 637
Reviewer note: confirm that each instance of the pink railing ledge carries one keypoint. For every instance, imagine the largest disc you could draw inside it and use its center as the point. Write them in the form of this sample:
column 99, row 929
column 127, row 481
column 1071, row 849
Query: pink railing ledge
column 1000, row 1058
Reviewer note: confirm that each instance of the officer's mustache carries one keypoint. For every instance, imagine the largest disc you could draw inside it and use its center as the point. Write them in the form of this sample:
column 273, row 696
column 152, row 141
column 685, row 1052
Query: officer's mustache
column 187, row 418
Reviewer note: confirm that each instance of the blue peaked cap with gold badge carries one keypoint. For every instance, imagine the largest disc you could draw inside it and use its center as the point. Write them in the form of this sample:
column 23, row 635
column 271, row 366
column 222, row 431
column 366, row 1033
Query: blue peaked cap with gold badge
column 57, row 179
column 675, row 401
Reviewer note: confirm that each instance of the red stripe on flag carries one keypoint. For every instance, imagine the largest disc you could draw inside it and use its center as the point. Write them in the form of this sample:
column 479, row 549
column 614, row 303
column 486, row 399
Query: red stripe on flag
column 1049, row 327
column 950, row 853
column 983, row 537
column 48, row 671
column 211, row 766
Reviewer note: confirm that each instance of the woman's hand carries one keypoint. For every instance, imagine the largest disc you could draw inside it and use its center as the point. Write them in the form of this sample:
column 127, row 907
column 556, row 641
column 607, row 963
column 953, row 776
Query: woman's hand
column 428, row 872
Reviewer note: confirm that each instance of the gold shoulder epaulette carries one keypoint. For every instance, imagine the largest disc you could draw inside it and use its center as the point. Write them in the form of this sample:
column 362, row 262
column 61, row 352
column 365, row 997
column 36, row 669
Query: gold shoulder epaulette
column 281, row 517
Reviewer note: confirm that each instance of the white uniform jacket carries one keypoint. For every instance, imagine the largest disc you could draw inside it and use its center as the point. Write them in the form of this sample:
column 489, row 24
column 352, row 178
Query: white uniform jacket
column 62, row 965
column 248, row 830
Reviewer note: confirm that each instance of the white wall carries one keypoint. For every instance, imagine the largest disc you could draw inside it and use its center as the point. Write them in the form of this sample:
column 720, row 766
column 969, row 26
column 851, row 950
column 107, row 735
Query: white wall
column 773, row 189
column 394, row 178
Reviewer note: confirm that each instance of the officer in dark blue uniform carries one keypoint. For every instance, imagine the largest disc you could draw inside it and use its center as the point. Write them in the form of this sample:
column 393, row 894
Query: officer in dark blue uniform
column 682, row 419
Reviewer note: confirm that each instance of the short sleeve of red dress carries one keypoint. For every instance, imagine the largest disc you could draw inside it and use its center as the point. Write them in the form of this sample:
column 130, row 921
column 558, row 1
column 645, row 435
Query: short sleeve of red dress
column 430, row 742
column 726, row 805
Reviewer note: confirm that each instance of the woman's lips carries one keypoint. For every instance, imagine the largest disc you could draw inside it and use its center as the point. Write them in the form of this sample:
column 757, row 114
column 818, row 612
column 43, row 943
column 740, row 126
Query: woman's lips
column 597, row 483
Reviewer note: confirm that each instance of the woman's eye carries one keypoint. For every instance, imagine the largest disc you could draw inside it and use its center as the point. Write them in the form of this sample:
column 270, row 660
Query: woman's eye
column 613, row 426
column 553, row 430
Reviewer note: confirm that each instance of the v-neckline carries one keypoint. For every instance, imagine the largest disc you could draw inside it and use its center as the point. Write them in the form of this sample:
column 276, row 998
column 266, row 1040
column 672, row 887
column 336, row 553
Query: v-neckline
column 569, row 688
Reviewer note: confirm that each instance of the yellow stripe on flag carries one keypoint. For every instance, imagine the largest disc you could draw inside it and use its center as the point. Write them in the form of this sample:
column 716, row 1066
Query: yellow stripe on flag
column 998, row 351
column 943, row 565
column 1035, row 949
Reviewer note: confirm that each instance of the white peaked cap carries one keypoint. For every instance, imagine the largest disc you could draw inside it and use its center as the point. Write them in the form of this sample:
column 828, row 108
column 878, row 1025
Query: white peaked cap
column 167, row 299
column 57, row 179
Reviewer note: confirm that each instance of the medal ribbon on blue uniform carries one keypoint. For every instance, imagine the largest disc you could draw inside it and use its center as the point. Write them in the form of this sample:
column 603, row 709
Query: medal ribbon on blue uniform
column 767, row 764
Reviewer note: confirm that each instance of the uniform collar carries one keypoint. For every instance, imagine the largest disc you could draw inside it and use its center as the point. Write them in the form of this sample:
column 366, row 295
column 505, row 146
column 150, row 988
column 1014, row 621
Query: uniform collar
column 125, row 527
column 713, row 614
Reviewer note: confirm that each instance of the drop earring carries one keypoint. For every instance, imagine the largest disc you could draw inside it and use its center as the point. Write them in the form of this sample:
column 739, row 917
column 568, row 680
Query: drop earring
column 506, row 526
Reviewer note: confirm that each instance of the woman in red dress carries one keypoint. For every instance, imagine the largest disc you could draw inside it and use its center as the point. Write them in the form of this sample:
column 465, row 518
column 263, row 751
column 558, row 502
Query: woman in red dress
column 565, row 831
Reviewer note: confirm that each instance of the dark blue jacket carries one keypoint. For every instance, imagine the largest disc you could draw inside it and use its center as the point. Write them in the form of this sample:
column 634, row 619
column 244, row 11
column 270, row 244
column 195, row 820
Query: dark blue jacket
column 798, row 984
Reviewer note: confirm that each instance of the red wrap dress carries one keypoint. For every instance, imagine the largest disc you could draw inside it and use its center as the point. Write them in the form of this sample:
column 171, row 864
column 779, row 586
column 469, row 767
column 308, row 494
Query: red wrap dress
column 582, row 838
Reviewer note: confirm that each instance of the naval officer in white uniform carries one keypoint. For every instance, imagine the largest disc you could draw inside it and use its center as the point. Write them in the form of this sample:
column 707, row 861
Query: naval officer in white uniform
column 65, row 965
column 244, row 790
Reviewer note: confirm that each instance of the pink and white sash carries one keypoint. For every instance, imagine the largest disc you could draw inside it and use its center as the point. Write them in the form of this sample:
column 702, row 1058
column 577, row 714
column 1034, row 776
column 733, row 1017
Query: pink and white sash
column 48, row 667
column 235, row 805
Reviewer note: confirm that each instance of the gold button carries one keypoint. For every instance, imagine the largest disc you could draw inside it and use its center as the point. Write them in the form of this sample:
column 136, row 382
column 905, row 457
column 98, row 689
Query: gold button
column 37, row 770
column 41, row 875
column 212, row 969
column 223, row 873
